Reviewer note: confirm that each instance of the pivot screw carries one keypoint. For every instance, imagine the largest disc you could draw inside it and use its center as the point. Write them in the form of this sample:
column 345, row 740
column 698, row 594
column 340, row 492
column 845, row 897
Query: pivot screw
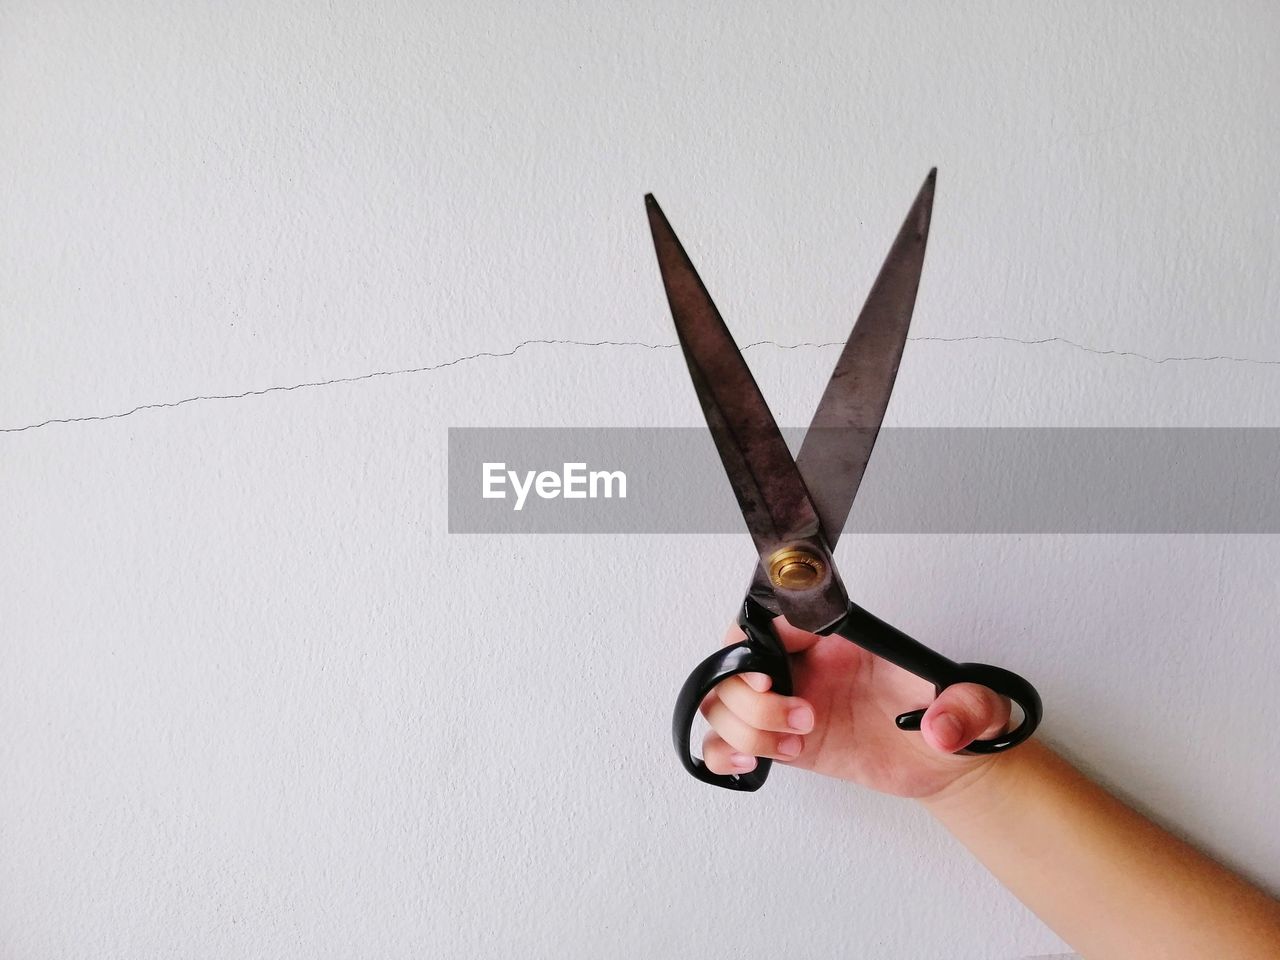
column 793, row 569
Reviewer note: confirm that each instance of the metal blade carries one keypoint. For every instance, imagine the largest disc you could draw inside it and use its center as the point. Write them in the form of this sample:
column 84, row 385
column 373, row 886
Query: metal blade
column 835, row 451
column 764, row 477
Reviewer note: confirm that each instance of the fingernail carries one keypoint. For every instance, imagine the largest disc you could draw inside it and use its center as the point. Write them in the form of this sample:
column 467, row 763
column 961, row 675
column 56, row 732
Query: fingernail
column 742, row 761
column 800, row 719
column 789, row 746
column 948, row 730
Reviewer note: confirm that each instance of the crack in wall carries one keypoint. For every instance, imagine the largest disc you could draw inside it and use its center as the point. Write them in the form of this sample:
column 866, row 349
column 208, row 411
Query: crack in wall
column 487, row 354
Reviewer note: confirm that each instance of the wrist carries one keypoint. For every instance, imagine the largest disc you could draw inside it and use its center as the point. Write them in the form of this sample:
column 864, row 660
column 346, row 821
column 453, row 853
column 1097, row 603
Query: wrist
column 986, row 789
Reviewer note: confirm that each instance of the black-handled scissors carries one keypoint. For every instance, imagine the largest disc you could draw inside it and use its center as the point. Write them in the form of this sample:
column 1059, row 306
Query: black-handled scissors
column 796, row 508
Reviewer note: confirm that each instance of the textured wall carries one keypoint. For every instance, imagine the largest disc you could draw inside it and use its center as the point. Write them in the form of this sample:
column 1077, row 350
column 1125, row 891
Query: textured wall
column 255, row 701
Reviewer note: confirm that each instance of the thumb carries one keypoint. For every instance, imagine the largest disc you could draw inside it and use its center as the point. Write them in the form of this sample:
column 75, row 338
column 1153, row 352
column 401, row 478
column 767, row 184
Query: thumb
column 963, row 713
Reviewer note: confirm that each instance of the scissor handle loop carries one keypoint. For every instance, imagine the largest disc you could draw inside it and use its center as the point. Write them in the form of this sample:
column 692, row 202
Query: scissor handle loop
column 760, row 652
column 1004, row 682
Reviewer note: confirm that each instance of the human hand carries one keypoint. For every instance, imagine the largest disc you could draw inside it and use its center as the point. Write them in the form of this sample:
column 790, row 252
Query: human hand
column 840, row 721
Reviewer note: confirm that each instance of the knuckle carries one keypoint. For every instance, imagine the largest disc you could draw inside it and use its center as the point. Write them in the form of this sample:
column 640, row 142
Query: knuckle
column 975, row 702
column 715, row 754
column 762, row 744
column 744, row 738
column 759, row 682
column 765, row 711
column 779, row 714
column 761, row 710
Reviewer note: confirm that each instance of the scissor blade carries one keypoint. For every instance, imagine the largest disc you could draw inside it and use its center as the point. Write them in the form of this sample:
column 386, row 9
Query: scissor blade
column 835, row 451
column 770, row 491
column 764, row 477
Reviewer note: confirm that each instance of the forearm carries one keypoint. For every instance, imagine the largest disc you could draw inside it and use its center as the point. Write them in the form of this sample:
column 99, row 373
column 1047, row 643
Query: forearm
column 1105, row 879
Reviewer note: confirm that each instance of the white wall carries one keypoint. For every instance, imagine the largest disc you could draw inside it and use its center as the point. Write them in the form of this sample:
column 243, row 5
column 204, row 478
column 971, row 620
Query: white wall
column 254, row 700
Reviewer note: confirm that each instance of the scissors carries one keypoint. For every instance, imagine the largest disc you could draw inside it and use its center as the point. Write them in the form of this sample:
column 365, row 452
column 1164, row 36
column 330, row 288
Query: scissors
column 795, row 509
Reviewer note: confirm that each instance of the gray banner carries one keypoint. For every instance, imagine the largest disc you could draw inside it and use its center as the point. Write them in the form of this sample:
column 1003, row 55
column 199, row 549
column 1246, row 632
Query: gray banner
column 920, row 480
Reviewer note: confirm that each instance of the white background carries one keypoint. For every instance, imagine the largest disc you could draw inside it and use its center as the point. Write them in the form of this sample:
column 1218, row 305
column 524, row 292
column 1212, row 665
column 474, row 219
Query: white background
column 256, row 701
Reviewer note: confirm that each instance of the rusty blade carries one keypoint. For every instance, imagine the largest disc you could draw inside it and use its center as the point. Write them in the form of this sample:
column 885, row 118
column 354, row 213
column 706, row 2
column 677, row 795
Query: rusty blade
column 764, row 477
column 835, row 451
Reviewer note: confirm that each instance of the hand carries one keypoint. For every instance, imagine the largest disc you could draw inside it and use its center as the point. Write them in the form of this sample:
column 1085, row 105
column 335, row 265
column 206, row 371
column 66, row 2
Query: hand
column 840, row 722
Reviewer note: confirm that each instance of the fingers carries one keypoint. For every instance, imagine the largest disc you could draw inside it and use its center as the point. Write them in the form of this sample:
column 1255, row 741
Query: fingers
column 963, row 713
column 723, row 759
column 760, row 681
column 743, row 737
column 765, row 712
column 748, row 721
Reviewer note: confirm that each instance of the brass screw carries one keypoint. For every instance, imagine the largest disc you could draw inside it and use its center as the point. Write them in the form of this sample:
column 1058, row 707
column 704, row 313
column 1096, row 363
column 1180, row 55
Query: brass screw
column 793, row 569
